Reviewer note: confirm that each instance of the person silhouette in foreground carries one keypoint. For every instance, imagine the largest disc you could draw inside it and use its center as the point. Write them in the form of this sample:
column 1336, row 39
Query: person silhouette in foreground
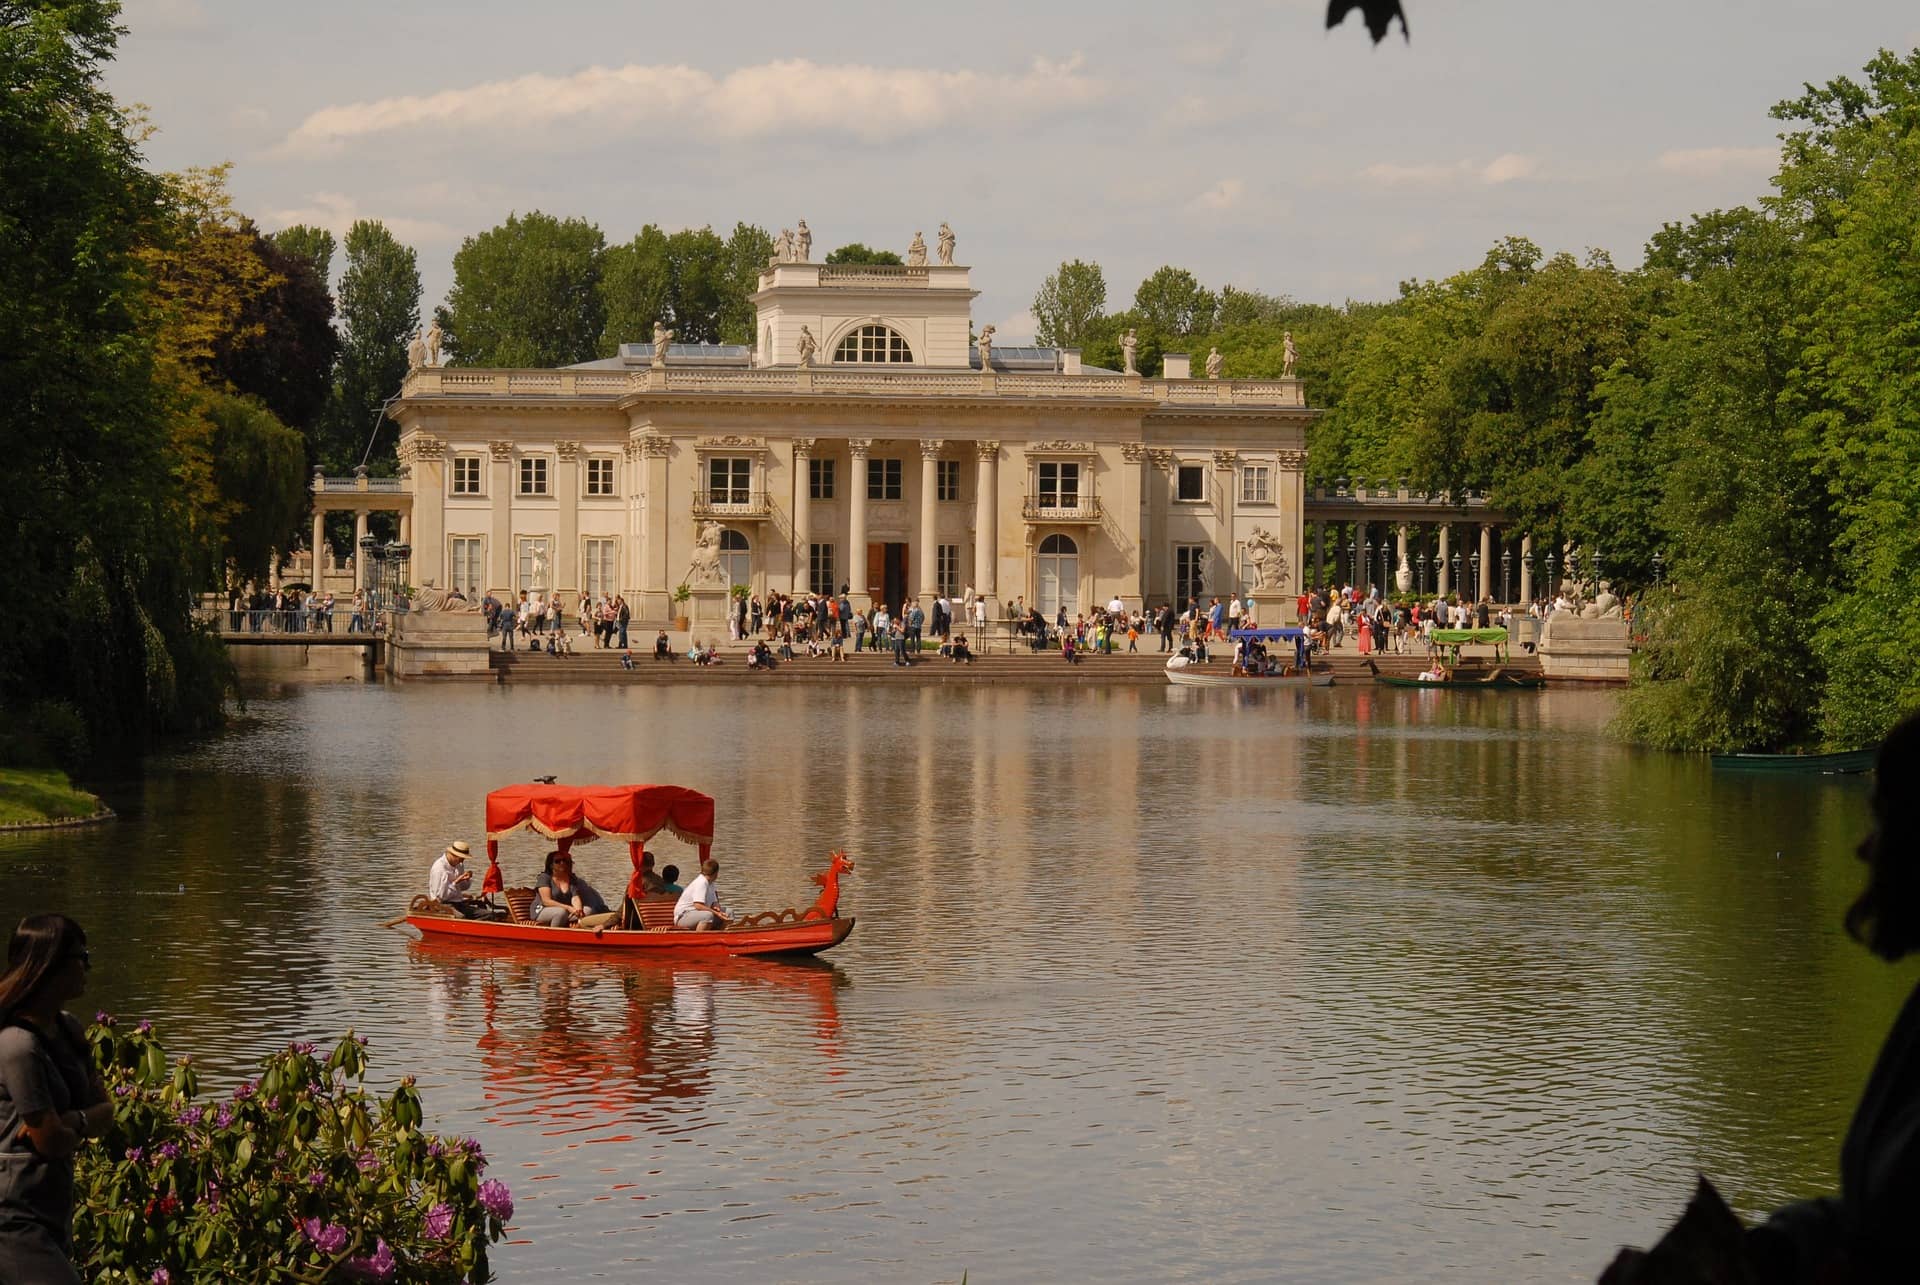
column 51, row 1098
column 1870, row 1232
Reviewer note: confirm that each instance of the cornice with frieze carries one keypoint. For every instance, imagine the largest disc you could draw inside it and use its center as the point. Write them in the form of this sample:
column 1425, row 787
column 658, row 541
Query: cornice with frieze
column 730, row 442
column 1058, row 448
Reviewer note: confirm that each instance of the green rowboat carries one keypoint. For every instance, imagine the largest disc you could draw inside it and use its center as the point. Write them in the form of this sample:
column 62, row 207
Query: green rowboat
column 1845, row 763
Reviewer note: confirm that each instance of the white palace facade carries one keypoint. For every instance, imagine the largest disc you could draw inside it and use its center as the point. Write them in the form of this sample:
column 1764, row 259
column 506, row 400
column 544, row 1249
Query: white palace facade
column 860, row 443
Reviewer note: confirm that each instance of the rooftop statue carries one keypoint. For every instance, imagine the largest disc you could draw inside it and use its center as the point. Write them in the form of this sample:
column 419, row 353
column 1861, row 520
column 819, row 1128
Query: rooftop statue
column 946, row 246
column 1288, row 355
column 917, row 252
column 807, row 346
column 1129, row 346
column 986, row 348
column 661, row 338
column 416, row 352
column 783, row 246
column 802, row 242
column 433, row 343
column 1213, row 363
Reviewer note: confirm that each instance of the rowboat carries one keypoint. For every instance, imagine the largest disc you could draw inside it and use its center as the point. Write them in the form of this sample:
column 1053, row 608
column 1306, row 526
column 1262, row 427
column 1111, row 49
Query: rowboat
column 570, row 815
column 1183, row 673
column 1467, row 678
column 1844, row 763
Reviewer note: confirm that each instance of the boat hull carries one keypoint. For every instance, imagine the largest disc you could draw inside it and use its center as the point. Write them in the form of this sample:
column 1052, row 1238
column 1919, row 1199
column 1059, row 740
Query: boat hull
column 1187, row 678
column 791, row 939
column 1846, row 763
column 1505, row 682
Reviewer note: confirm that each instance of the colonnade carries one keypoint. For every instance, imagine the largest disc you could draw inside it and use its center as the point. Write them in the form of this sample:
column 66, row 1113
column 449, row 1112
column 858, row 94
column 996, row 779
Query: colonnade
column 1473, row 559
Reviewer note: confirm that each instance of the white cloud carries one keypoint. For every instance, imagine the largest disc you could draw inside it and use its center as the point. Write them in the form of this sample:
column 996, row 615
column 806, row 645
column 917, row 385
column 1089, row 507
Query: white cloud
column 1504, row 168
column 872, row 104
column 336, row 212
column 1223, row 195
column 1707, row 161
column 1015, row 330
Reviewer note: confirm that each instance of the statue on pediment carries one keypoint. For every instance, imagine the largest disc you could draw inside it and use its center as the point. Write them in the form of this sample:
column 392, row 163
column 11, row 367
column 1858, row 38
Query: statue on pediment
column 416, row 352
column 783, row 246
column 808, row 346
column 802, row 242
column 661, row 338
column 1129, row 349
column 705, row 568
column 917, row 252
column 433, row 343
column 1288, row 355
column 1269, row 559
column 946, row 246
column 1214, row 363
column 986, row 348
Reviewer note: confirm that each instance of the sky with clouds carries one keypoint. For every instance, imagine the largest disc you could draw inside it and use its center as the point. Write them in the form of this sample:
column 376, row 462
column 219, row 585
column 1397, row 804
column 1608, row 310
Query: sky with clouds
column 1239, row 140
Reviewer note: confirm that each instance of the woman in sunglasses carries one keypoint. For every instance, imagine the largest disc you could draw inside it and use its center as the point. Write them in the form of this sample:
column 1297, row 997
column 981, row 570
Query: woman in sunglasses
column 51, row 1099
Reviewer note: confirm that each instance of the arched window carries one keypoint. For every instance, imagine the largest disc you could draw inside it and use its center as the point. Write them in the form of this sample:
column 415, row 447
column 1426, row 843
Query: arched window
column 736, row 558
column 1057, row 571
column 873, row 344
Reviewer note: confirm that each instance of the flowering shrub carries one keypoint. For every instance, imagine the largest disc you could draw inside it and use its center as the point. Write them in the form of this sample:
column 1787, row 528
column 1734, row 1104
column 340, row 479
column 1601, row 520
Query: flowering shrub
column 299, row 1175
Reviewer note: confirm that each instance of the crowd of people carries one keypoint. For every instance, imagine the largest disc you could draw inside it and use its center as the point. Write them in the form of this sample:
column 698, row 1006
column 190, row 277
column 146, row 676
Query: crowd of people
column 297, row 610
column 564, row 899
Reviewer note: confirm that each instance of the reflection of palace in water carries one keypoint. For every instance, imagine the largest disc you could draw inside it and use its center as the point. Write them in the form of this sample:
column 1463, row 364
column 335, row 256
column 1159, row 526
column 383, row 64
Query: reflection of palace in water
column 575, row 1044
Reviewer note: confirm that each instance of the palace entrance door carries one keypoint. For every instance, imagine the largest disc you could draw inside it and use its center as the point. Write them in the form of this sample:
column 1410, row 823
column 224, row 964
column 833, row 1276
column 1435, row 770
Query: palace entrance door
column 887, row 575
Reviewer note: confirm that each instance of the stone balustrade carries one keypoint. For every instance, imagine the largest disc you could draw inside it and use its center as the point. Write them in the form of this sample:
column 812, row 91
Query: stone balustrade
column 434, row 381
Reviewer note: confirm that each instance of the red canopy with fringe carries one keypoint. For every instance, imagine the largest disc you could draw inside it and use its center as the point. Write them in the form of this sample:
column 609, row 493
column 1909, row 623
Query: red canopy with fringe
column 573, row 814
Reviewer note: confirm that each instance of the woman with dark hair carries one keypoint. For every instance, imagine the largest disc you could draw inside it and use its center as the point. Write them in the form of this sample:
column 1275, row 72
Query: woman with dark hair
column 51, row 1099
column 1868, row 1232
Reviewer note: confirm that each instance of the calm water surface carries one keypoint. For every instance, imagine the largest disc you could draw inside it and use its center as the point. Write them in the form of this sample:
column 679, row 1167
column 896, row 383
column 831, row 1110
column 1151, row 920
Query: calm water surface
column 1345, row 985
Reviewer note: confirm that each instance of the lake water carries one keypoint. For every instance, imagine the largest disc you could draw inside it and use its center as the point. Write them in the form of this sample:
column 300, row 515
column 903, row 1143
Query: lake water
column 1343, row 985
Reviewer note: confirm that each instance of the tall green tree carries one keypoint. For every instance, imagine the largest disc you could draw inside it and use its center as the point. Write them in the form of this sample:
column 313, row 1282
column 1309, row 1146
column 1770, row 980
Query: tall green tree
column 1068, row 303
column 1173, row 302
column 526, row 293
column 284, row 345
column 747, row 251
column 379, row 312
column 315, row 245
column 685, row 280
column 854, row 252
column 89, row 497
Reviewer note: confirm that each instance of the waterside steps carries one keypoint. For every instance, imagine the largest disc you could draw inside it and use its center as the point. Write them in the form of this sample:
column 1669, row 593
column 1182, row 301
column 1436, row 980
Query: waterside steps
column 1045, row 669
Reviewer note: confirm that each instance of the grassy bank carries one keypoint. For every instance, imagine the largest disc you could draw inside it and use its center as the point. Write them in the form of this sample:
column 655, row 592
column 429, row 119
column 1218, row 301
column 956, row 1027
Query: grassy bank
column 36, row 795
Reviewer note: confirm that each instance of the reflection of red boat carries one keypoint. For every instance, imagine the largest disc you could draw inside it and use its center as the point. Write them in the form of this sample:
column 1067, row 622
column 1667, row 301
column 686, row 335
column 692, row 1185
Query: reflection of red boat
column 570, row 814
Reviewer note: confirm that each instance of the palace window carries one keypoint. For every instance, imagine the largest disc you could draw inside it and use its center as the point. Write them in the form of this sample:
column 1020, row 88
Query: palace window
column 883, row 479
column 947, row 479
column 1192, row 483
column 466, row 475
column 820, row 568
column 1059, row 485
column 600, row 475
column 870, row 344
column 947, row 570
column 600, row 569
column 1189, row 574
column 1256, row 484
column 730, row 480
column 820, row 479
column 469, row 566
column 736, row 559
column 535, row 549
column 533, row 475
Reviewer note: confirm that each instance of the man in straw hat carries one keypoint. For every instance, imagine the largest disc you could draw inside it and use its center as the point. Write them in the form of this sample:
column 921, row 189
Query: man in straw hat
column 449, row 879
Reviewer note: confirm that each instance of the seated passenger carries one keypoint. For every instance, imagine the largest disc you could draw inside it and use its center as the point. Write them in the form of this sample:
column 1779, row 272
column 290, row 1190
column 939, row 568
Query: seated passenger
column 670, row 881
column 699, row 906
column 564, row 899
column 651, row 884
column 448, row 881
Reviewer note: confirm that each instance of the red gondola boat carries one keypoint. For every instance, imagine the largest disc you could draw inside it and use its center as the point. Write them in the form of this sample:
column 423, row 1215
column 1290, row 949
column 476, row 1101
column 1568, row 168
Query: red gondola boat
column 572, row 814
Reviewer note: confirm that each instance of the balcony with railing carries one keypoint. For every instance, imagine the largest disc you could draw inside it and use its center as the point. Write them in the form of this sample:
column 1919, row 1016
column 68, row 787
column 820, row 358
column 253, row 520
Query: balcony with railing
column 1060, row 508
column 725, row 504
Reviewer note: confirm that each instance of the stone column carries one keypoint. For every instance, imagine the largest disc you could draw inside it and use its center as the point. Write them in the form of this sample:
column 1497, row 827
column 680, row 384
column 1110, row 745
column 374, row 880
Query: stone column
column 1486, row 560
column 651, row 454
column 359, row 534
column 857, row 448
column 1526, row 568
column 1444, row 582
column 1159, row 554
column 803, row 516
column 929, row 529
column 566, row 493
column 503, row 561
column 1131, row 504
column 1226, row 465
column 986, row 524
column 319, row 545
column 406, row 530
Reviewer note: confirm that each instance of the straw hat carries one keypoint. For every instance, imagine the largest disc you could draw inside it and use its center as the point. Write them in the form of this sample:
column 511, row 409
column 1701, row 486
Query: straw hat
column 459, row 850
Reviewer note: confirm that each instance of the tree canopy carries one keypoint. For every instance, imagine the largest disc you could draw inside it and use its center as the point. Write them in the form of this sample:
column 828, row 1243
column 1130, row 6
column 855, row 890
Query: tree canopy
column 526, row 293
column 856, row 252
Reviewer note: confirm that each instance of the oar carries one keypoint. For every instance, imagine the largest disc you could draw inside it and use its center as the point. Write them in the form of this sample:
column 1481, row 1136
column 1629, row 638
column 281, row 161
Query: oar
column 396, row 921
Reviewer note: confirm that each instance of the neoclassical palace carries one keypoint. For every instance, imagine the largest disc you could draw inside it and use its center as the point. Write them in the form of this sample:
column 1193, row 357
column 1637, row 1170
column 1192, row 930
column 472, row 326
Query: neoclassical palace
column 865, row 440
